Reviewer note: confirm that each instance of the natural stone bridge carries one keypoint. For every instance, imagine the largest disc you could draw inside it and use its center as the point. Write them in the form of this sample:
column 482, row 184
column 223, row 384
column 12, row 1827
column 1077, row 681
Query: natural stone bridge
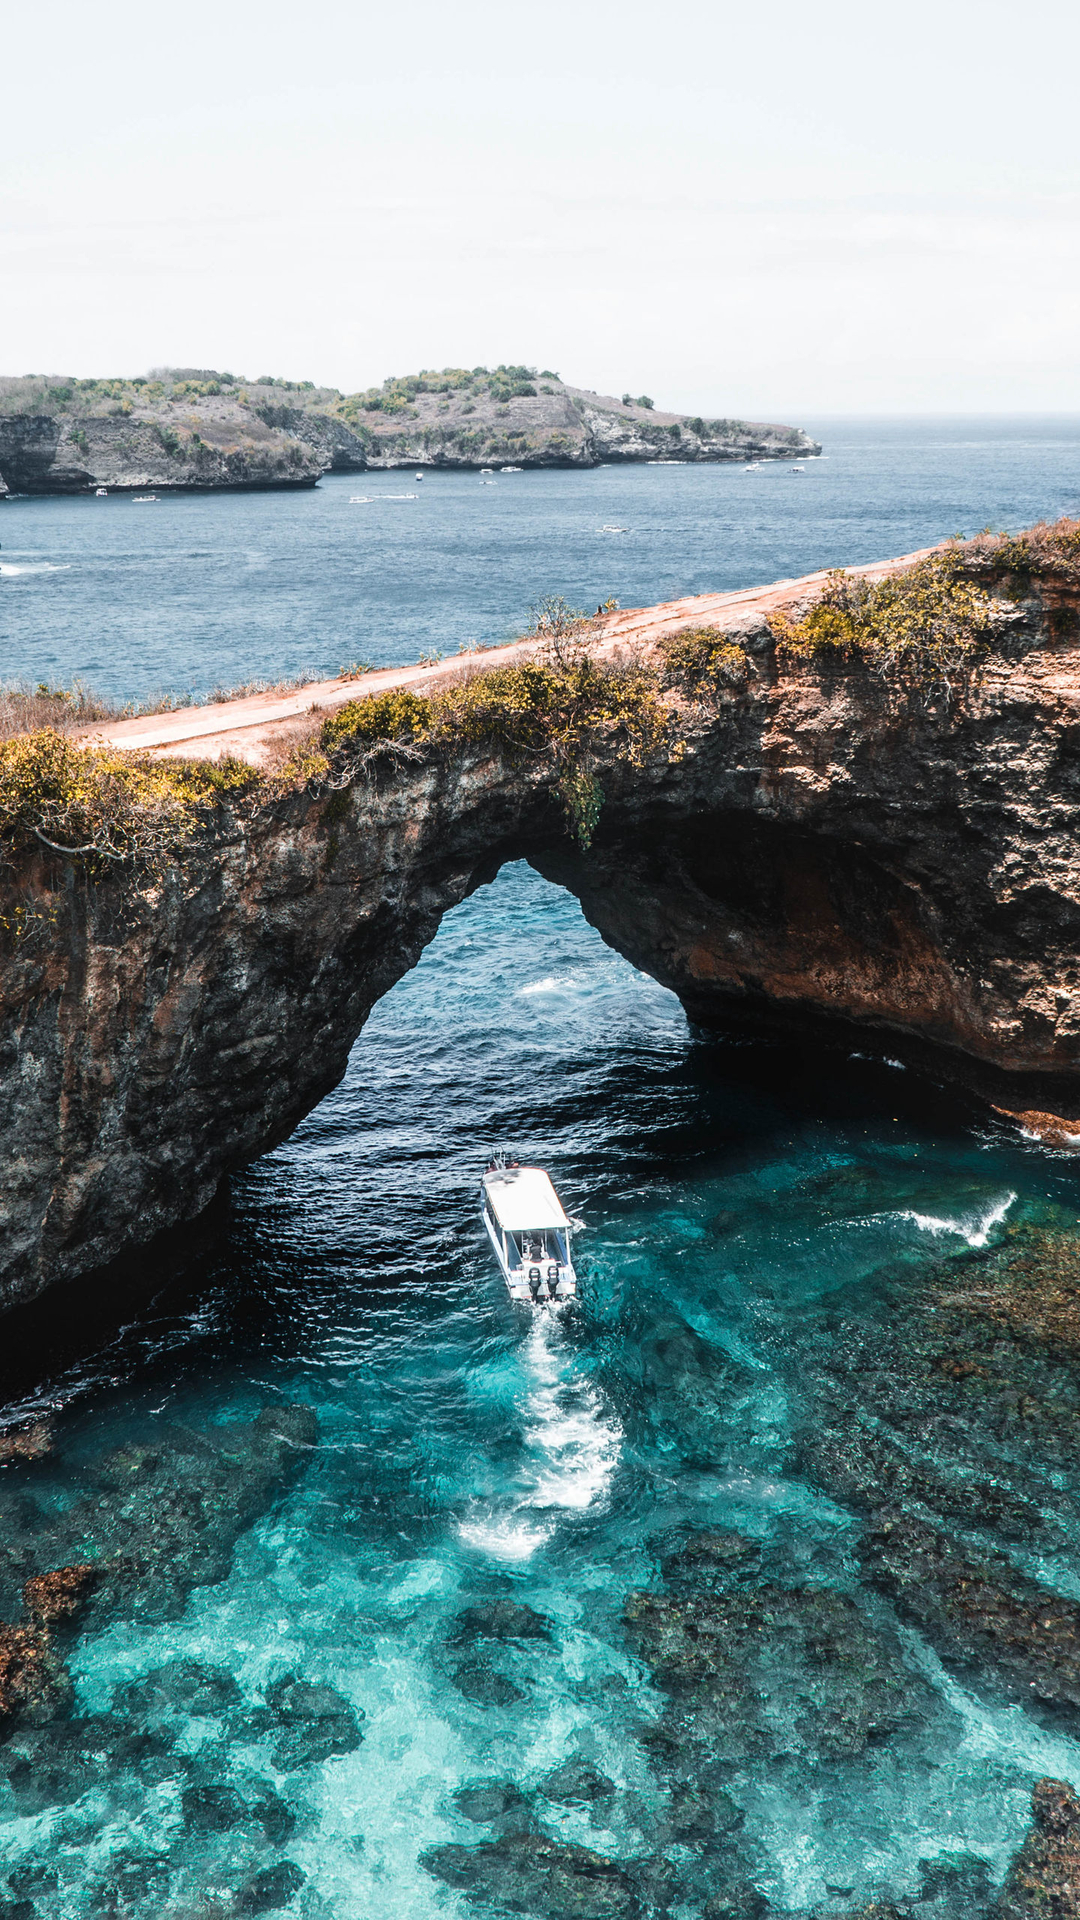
column 822, row 856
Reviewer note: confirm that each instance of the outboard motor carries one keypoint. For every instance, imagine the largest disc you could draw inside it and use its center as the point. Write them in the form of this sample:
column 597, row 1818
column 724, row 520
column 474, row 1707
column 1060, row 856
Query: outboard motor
column 553, row 1280
column 534, row 1282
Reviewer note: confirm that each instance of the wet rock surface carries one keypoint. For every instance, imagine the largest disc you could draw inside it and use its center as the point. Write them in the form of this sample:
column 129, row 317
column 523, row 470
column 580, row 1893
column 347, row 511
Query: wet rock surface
column 1043, row 1882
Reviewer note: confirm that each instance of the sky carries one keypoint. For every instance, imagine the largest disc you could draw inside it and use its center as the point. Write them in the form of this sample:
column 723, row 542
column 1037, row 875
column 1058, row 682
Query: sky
column 774, row 211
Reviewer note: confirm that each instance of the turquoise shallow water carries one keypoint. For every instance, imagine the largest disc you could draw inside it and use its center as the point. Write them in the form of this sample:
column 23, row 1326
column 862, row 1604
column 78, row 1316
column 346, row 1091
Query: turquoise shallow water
column 470, row 1451
column 763, row 1224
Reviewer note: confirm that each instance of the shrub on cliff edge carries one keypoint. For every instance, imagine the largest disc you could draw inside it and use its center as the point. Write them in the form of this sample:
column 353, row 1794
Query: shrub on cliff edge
column 101, row 804
column 565, row 708
column 920, row 629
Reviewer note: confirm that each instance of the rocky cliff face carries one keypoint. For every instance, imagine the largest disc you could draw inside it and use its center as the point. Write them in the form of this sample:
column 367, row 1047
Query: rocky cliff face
column 825, row 851
column 70, row 436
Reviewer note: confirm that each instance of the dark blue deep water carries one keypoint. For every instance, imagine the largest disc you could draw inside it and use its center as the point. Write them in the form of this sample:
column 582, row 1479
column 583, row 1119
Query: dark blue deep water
column 774, row 1243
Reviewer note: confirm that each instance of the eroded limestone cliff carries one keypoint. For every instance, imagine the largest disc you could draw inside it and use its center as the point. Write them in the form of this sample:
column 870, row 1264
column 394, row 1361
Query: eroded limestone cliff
column 822, row 845
column 193, row 428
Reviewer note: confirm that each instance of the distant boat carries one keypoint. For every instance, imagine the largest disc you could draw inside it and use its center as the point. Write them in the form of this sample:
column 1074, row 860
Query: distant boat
column 510, row 469
column 144, row 499
column 487, row 469
column 101, row 493
column 795, row 469
column 418, row 476
column 361, row 499
column 487, row 483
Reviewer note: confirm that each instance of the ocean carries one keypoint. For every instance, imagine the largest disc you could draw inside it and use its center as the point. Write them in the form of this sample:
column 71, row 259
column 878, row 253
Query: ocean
column 376, row 1678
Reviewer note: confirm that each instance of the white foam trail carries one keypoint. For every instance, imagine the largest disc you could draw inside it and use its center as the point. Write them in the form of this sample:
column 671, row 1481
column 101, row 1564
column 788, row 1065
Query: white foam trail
column 43, row 566
column 975, row 1228
column 573, row 1442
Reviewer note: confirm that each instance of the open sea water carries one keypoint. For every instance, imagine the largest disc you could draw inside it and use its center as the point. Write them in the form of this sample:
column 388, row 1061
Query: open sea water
column 291, row 1718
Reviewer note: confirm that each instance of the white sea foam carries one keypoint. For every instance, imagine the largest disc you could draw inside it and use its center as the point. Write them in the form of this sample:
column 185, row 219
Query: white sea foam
column 40, row 566
column 974, row 1227
column 572, row 1441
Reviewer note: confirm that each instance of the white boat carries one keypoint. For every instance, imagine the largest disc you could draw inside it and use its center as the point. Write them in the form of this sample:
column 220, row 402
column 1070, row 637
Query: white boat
column 418, row 476
column 509, row 469
column 144, row 499
column 101, row 493
column 487, row 469
column 530, row 1232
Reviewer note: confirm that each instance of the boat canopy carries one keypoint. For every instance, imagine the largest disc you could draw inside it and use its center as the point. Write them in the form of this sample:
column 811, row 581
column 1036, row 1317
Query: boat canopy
column 523, row 1200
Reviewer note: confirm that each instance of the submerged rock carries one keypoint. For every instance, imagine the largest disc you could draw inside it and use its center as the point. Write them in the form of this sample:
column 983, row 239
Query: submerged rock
column 183, row 1686
column 34, row 1683
column 56, row 1763
column 576, row 1783
column 1043, row 1882
column 310, row 1723
column 487, row 1801
column 151, row 1520
column 774, row 1669
column 979, row 1612
column 528, row 1872
column 498, row 1620
column 484, row 1684
column 269, row 1891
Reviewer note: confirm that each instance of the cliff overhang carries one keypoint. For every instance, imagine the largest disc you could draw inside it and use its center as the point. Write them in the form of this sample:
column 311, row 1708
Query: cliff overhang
column 825, row 839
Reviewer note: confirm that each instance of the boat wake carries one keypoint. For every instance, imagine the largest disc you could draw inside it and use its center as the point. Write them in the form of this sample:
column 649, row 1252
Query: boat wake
column 572, row 1442
column 42, row 566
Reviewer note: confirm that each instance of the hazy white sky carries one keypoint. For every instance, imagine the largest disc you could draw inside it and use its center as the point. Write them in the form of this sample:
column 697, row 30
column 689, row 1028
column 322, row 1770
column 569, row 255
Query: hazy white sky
column 766, row 209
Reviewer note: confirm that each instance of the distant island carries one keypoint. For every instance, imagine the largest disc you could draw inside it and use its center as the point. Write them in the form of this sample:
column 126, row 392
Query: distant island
column 191, row 429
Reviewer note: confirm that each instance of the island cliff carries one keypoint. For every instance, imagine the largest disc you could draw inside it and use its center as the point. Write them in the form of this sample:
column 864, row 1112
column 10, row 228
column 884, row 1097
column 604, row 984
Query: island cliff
column 193, row 429
column 841, row 803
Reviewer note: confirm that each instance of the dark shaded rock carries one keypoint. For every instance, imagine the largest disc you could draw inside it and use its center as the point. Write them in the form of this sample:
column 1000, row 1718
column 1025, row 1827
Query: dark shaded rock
column 132, row 1879
column 742, row 1902
column 498, row 1620
column 32, row 1877
column 774, row 1668
column 979, row 1612
column 533, row 1874
column 484, row 1685
column 17, row 1910
column 960, row 1882
column 703, row 1817
column 213, row 1809
column 575, row 1783
column 311, row 1723
column 56, row 1763
column 218, row 1806
column 1043, row 1882
column 711, row 1558
column 183, row 1686
column 488, row 1800
column 272, row 1889
column 690, row 1385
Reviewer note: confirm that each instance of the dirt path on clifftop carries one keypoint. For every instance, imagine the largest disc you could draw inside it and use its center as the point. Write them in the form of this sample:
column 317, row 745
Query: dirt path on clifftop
column 251, row 728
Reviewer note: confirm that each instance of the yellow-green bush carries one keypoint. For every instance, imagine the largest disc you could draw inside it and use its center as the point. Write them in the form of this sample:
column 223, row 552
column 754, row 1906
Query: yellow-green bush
column 566, row 708
column 922, row 628
column 702, row 660
column 102, row 804
column 1050, row 550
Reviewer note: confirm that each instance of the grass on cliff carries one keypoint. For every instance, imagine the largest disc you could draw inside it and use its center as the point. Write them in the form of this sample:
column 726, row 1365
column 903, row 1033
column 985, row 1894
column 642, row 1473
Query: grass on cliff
column 920, row 630
column 565, row 710
column 104, row 805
